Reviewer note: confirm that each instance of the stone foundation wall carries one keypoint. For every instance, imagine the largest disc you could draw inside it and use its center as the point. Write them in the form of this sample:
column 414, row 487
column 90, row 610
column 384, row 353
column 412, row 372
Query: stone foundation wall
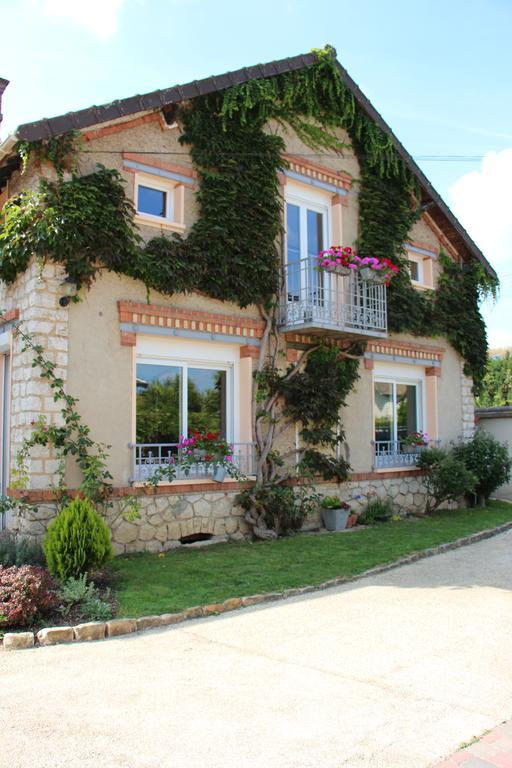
column 165, row 519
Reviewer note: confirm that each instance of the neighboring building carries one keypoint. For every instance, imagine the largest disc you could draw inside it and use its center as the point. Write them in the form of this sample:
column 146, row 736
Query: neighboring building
column 112, row 344
column 498, row 422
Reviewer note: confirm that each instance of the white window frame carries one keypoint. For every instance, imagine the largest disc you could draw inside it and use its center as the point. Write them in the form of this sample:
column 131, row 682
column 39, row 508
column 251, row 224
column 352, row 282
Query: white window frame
column 173, row 190
column 390, row 375
column 419, row 261
column 193, row 354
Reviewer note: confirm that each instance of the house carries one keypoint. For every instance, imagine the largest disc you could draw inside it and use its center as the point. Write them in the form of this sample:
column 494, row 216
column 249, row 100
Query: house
column 148, row 370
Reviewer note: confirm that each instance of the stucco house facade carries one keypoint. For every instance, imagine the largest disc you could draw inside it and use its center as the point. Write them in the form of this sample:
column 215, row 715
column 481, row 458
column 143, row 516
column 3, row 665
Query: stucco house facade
column 116, row 342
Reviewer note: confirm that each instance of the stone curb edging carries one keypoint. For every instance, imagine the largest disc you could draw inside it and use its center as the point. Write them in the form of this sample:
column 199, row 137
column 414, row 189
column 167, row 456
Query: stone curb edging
column 99, row 630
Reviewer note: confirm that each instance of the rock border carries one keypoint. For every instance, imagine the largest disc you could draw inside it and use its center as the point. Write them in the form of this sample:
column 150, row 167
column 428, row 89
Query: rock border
column 99, row 630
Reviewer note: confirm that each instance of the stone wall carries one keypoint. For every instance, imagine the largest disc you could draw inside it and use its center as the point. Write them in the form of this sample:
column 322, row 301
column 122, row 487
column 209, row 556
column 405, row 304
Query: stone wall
column 468, row 404
column 165, row 519
column 36, row 295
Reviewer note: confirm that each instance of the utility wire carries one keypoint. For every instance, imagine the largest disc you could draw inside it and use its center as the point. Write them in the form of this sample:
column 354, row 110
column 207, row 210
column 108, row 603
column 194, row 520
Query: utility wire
column 340, row 155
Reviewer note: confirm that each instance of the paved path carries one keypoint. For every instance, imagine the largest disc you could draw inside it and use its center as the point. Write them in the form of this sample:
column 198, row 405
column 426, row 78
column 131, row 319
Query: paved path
column 390, row 672
column 493, row 750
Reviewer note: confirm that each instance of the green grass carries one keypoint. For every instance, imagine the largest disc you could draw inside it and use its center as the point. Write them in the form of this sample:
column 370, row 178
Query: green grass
column 151, row 583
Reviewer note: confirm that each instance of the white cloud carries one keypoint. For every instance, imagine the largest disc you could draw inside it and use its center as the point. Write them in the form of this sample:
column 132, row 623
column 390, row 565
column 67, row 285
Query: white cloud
column 481, row 200
column 100, row 17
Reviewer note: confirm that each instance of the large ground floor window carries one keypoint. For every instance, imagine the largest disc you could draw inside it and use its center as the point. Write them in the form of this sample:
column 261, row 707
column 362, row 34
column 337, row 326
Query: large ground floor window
column 397, row 410
column 174, row 400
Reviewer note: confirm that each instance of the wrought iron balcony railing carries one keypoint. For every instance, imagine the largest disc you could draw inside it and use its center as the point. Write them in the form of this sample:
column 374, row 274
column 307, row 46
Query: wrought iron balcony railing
column 314, row 300
column 147, row 458
column 393, row 453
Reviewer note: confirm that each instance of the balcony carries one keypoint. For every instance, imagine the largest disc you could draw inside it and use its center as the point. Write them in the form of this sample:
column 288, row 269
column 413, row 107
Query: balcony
column 147, row 458
column 392, row 454
column 314, row 301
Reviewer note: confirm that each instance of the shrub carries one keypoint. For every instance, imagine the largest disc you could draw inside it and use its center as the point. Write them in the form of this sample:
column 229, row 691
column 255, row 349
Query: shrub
column 15, row 550
column 80, row 592
column 96, row 609
column 77, row 541
column 446, row 477
column 377, row 511
column 284, row 510
column 25, row 592
column 488, row 460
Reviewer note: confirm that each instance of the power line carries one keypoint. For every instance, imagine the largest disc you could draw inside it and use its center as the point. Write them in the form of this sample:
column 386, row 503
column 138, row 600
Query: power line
column 341, row 155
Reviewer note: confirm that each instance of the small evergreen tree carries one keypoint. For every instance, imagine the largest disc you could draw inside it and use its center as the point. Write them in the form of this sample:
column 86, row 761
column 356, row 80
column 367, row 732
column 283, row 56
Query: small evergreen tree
column 488, row 460
column 77, row 541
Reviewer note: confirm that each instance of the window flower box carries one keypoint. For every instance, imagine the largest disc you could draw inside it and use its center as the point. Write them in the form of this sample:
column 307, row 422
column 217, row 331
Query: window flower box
column 344, row 261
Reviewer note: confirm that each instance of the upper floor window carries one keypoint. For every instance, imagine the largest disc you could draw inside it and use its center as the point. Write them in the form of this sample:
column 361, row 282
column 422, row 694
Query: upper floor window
column 154, row 202
column 415, row 265
column 158, row 202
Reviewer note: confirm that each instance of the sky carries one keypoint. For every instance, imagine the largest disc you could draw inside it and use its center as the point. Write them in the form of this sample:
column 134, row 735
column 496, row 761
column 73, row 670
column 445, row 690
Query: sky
column 439, row 72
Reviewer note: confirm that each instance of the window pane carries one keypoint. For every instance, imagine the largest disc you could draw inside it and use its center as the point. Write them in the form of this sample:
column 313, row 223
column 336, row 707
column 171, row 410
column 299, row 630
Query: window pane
column 383, row 411
column 315, row 233
column 158, row 403
column 206, row 400
column 406, row 410
column 293, row 251
column 315, row 245
column 414, row 269
column 151, row 201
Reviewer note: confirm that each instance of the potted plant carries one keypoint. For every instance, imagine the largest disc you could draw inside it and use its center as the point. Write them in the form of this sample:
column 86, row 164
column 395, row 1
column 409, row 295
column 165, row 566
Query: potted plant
column 336, row 259
column 344, row 261
column 376, row 270
column 335, row 513
column 207, row 448
column 415, row 442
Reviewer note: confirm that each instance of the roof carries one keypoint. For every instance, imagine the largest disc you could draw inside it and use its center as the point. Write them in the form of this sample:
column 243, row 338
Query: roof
column 155, row 100
column 494, row 412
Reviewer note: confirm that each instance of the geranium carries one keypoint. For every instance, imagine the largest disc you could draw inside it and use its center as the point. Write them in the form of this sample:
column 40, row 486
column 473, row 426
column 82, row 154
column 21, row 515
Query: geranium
column 416, row 439
column 206, row 446
column 339, row 256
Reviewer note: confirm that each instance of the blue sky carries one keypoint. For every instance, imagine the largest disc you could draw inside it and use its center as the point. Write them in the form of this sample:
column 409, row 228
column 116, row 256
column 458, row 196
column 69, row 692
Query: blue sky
column 438, row 71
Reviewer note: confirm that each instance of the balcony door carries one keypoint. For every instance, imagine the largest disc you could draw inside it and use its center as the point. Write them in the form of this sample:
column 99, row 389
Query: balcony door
column 306, row 235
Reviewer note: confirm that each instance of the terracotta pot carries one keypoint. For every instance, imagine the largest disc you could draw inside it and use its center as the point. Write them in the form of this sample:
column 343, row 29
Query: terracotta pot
column 352, row 520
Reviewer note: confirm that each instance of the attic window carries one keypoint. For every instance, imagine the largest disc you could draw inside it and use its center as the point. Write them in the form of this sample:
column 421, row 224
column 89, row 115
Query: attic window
column 415, row 270
column 159, row 202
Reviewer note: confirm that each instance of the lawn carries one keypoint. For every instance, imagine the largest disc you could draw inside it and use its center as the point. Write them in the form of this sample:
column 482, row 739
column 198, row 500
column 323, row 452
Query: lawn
column 182, row 578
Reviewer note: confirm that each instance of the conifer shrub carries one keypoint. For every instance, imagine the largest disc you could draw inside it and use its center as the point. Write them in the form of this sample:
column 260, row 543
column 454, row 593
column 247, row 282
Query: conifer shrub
column 77, row 542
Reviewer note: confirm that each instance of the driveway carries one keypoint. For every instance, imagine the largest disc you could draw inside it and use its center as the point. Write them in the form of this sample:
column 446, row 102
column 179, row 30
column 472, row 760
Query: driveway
column 393, row 671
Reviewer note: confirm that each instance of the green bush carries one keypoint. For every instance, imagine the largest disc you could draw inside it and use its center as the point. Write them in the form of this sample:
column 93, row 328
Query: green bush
column 79, row 592
column 488, row 460
column 377, row 511
column 284, row 509
column 15, row 550
column 77, row 541
column 446, row 477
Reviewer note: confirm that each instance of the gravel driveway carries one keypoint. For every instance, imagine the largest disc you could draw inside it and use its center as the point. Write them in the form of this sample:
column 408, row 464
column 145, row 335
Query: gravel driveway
column 394, row 671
